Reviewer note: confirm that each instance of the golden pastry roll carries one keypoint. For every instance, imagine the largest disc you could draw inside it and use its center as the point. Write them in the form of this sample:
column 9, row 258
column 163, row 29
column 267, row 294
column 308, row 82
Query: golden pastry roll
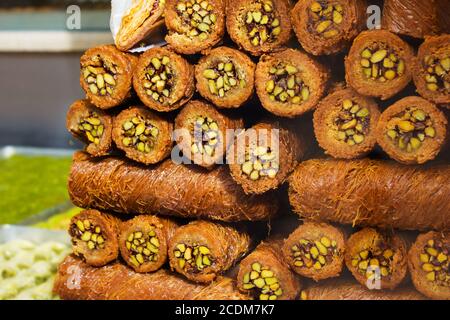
column 140, row 20
column 262, row 157
column 194, row 25
column 90, row 125
column 163, row 80
column 225, row 77
column 259, row 26
column 204, row 134
column 377, row 258
column 144, row 241
column 414, row 18
column 412, row 130
column 432, row 69
column 202, row 250
column 315, row 250
column 106, row 76
column 143, row 135
column 372, row 193
column 94, row 237
column 76, row 280
column 379, row 64
column 290, row 83
column 168, row 188
column 345, row 123
column 343, row 289
column 264, row 275
column 428, row 261
column 328, row 27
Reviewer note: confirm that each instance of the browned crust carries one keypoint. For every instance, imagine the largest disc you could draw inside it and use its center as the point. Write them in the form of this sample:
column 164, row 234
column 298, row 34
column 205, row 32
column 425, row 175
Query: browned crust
column 124, row 80
column 372, row 193
column 164, row 229
column 117, row 282
column 186, row 120
column 167, row 188
column 183, row 88
column 342, row 289
column 181, row 43
column 415, row 18
column 163, row 144
column 269, row 254
column 110, row 229
column 226, row 244
column 354, row 19
column 236, row 13
column 314, row 232
column 442, row 8
column 81, row 109
column 365, row 240
column 437, row 46
column 314, row 75
column 354, row 74
column 291, row 149
column 324, row 127
column 430, row 147
column 234, row 98
column 418, row 275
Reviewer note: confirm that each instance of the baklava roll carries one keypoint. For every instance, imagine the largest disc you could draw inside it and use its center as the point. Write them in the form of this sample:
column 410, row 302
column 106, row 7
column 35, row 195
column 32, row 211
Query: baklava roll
column 412, row 130
column 141, row 19
column 144, row 241
column 289, row 83
column 428, row 262
column 345, row 123
column 202, row 250
column 259, row 26
column 106, row 76
column 432, row 72
column 315, row 250
column 94, row 237
column 225, row 77
column 328, row 26
column 143, row 135
column 205, row 134
column 264, row 275
column 92, row 126
column 376, row 258
column 379, row 64
column 262, row 157
column 194, row 25
column 163, row 80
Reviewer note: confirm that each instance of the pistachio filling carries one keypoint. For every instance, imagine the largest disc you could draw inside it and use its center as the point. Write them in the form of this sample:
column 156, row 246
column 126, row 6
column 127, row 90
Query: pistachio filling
column 224, row 77
column 261, row 23
column 303, row 295
column 143, row 247
column 438, row 73
column 352, row 123
column 409, row 129
column 159, row 79
column 206, row 136
column 139, row 133
column 314, row 253
column 378, row 257
column 263, row 282
column 260, row 162
column 91, row 127
column 193, row 258
column 100, row 76
column 88, row 232
column 435, row 262
column 286, row 85
column 381, row 63
column 325, row 18
column 198, row 17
